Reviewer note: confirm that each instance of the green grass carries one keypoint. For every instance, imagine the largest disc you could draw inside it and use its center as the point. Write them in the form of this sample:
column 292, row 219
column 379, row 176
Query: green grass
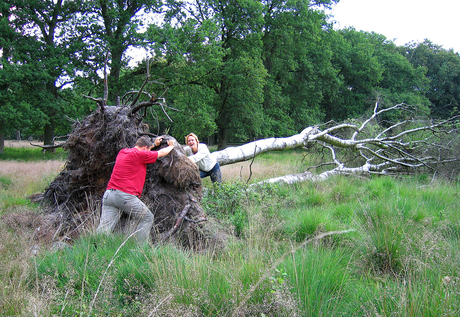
column 402, row 259
column 5, row 182
column 323, row 281
column 27, row 154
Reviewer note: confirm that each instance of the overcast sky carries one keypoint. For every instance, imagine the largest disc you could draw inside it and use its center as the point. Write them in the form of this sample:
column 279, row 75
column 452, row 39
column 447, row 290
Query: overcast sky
column 403, row 21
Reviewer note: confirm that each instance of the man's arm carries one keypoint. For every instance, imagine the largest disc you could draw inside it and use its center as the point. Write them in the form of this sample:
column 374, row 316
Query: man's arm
column 166, row 150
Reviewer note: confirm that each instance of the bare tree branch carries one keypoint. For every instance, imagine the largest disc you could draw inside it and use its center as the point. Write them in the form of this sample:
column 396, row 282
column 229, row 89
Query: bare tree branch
column 136, row 98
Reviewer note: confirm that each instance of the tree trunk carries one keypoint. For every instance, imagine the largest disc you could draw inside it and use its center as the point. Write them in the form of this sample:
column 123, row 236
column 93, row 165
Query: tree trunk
column 377, row 150
column 48, row 136
column 222, row 141
column 2, row 143
column 114, row 76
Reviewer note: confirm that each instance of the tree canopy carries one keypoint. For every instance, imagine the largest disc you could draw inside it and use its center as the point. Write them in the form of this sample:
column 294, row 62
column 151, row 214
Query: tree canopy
column 236, row 71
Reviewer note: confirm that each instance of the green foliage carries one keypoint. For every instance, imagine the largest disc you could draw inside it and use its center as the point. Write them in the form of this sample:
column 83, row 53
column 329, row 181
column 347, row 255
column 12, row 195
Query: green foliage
column 16, row 113
column 305, row 223
column 225, row 202
column 236, row 71
column 373, row 69
column 9, row 201
column 85, row 269
column 186, row 59
column 442, row 70
column 5, row 182
column 107, row 274
column 42, row 56
column 300, row 75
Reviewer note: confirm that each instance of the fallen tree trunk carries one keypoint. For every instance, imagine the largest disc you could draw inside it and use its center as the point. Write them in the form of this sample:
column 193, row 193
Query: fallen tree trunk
column 406, row 147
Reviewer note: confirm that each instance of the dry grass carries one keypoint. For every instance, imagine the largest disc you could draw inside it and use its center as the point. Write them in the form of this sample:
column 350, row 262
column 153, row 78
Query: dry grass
column 17, row 243
column 261, row 169
column 22, row 143
column 29, row 177
column 18, row 144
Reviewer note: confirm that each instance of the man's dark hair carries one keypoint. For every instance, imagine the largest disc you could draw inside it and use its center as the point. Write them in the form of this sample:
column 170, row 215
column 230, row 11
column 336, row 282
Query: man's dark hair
column 143, row 141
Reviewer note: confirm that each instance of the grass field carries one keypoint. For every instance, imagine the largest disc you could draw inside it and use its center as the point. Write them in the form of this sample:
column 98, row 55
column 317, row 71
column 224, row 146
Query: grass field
column 391, row 249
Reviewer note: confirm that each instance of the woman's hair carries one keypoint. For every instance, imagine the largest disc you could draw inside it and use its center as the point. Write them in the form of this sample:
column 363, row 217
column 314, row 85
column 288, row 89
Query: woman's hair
column 143, row 141
column 192, row 135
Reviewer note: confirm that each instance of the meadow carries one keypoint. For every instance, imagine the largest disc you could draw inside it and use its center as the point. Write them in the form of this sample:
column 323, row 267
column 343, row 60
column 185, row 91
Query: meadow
column 342, row 247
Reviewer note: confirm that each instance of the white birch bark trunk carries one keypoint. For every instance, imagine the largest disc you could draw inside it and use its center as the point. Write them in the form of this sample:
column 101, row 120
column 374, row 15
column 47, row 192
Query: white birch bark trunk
column 384, row 153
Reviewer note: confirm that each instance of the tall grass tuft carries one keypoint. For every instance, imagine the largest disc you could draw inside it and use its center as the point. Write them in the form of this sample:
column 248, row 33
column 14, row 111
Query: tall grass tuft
column 323, row 281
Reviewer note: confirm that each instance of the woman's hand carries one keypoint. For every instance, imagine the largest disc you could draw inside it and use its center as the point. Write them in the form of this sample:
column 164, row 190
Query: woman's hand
column 158, row 141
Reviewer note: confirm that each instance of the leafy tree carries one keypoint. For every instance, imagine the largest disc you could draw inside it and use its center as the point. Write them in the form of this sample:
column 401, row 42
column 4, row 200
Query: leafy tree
column 114, row 27
column 297, row 56
column 41, row 59
column 230, row 53
column 5, row 42
column 15, row 112
column 443, row 70
column 401, row 81
column 372, row 68
column 185, row 58
column 360, row 72
column 214, row 50
column 57, row 41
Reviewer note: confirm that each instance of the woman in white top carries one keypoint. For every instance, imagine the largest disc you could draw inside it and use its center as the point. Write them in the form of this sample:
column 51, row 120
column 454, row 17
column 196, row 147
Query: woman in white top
column 199, row 153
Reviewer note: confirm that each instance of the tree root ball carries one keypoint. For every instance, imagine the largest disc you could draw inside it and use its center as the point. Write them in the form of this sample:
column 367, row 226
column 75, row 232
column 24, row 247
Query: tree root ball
column 172, row 191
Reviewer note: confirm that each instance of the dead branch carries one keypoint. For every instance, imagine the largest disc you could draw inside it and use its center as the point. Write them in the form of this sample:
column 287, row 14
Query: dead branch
column 136, row 97
column 177, row 223
column 99, row 101
column 51, row 147
column 48, row 147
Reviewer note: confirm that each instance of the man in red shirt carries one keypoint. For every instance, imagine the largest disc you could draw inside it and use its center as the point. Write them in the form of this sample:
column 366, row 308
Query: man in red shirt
column 125, row 188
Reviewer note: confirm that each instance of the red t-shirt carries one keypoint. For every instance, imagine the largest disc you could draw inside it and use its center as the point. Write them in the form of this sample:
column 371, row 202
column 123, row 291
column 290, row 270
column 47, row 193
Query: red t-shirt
column 130, row 168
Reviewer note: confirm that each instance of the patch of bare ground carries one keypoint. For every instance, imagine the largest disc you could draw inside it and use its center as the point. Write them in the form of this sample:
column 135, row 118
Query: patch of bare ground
column 38, row 228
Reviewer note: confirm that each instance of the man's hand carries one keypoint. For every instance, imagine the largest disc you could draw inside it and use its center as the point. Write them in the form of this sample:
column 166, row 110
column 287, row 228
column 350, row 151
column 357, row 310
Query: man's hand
column 166, row 150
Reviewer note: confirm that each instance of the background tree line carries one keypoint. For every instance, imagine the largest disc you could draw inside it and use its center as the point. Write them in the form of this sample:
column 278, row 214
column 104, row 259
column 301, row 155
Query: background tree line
column 235, row 70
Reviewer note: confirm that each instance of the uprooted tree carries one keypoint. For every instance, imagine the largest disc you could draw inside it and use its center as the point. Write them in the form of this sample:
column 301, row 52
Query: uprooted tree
column 173, row 189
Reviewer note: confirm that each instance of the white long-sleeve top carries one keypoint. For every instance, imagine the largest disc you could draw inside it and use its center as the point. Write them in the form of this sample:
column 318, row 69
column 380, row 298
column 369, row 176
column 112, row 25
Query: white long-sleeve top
column 202, row 157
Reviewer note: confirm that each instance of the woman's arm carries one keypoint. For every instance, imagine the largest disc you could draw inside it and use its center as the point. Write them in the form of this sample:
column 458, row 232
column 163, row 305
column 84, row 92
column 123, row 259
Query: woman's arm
column 202, row 153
